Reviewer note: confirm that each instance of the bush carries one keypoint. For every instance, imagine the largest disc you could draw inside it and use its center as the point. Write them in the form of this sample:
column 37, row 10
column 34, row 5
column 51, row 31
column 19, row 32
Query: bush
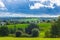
column 43, row 20
column 4, row 31
column 11, row 31
column 47, row 34
column 35, row 32
column 20, row 29
column 30, row 27
column 48, row 21
column 18, row 33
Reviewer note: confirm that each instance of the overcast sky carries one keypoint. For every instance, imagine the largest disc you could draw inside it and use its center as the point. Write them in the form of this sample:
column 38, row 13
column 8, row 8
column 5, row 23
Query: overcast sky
column 32, row 8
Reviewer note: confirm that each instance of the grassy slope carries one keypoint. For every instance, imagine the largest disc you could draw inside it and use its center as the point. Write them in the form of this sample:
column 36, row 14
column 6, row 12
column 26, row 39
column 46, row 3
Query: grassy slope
column 18, row 26
column 45, row 27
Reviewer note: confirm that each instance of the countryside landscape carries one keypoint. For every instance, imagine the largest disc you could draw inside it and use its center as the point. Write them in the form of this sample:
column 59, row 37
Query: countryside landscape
column 27, row 26
column 29, row 19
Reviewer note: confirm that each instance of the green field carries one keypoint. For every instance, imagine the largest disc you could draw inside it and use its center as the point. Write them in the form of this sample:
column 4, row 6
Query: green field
column 18, row 25
column 11, row 38
column 43, row 26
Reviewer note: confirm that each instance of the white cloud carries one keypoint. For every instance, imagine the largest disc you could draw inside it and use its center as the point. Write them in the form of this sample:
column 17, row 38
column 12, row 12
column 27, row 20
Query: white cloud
column 11, row 1
column 2, row 6
column 36, row 6
column 57, row 2
column 7, row 14
column 39, row 5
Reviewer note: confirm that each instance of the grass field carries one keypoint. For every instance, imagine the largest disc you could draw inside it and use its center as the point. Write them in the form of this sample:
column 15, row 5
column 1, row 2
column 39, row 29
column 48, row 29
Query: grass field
column 44, row 26
column 18, row 25
column 11, row 38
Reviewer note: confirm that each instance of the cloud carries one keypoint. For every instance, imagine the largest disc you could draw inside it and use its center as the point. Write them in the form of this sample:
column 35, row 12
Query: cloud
column 45, row 3
column 39, row 5
column 7, row 14
column 42, row 6
column 57, row 2
column 2, row 6
column 36, row 6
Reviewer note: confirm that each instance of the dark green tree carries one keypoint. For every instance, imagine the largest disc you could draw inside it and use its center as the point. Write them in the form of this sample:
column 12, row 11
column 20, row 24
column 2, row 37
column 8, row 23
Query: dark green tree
column 18, row 33
column 55, row 30
column 30, row 27
column 35, row 32
column 4, row 31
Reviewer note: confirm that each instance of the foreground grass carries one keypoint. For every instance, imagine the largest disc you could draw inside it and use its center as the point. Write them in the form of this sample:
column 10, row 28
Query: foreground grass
column 12, row 38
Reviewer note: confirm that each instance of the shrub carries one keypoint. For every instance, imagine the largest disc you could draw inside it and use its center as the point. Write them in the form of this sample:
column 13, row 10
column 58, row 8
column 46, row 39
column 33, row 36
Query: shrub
column 18, row 33
column 48, row 21
column 11, row 31
column 35, row 32
column 4, row 31
column 43, row 20
column 30, row 27
column 47, row 34
column 20, row 29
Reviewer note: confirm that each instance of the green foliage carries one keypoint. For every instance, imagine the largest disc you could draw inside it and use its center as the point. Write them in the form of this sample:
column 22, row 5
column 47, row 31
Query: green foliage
column 35, row 32
column 47, row 34
column 18, row 34
column 4, row 31
column 30, row 27
column 18, row 26
column 55, row 30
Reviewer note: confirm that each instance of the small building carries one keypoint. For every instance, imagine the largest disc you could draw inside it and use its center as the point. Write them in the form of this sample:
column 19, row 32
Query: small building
column 2, row 23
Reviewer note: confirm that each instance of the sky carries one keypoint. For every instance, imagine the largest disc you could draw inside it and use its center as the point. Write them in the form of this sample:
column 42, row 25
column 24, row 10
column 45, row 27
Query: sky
column 29, row 8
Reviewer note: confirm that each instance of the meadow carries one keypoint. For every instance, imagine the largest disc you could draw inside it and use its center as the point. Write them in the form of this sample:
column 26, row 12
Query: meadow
column 11, row 38
column 43, row 26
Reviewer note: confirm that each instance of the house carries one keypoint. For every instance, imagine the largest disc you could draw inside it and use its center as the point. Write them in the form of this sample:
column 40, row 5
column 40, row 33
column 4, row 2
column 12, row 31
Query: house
column 2, row 23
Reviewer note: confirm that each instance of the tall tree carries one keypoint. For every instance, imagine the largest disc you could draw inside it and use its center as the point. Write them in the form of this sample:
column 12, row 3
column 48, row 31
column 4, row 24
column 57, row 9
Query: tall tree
column 55, row 30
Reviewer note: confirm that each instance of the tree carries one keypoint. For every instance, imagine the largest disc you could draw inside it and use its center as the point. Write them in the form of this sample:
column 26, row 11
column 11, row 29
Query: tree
column 48, row 21
column 18, row 33
column 43, row 20
column 30, row 27
column 4, row 31
column 55, row 30
column 47, row 34
column 11, row 31
column 35, row 32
